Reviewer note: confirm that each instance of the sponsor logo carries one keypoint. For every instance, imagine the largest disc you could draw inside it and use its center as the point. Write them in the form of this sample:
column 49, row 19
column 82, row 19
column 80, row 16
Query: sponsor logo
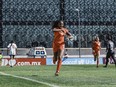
column 73, row 61
column 111, row 61
column 23, row 61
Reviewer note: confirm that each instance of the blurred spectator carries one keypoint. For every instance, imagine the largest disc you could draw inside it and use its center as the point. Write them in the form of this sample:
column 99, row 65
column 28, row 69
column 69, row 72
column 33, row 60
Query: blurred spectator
column 12, row 50
column 34, row 43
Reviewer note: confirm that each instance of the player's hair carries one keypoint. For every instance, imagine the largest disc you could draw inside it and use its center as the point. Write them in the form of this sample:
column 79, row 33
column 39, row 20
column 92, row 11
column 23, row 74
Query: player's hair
column 56, row 24
column 96, row 38
column 12, row 41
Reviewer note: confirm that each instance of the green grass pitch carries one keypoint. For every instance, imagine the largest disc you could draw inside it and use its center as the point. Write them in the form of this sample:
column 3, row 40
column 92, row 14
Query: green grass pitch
column 70, row 76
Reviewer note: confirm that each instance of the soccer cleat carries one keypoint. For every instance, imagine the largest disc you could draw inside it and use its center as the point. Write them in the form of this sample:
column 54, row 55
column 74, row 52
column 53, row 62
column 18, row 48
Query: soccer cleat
column 105, row 66
column 97, row 66
column 11, row 66
column 56, row 74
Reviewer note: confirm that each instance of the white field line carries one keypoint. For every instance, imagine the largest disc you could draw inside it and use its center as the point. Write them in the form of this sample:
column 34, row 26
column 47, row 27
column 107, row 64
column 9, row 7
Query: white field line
column 33, row 80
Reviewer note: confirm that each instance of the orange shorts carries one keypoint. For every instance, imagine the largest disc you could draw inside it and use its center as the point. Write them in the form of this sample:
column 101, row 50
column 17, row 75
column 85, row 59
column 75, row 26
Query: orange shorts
column 96, row 53
column 58, row 47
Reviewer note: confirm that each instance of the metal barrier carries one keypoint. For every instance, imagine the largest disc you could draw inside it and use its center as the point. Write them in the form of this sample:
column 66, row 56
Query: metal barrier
column 70, row 51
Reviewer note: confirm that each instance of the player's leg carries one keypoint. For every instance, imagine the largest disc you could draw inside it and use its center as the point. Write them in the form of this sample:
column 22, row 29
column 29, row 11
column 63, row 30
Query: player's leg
column 55, row 57
column 107, row 59
column 59, row 63
column 113, row 57
column 55, row 52
column 94, row 54
column 11, row 57
column 94, row 57
column 97, row 57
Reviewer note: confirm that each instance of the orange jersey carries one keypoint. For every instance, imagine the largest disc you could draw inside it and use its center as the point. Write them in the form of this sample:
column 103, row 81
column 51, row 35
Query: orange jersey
column 96, row 46
column 58, row 41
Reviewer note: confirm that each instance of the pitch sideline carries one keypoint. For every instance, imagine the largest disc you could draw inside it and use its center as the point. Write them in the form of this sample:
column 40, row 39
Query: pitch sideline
column 33, row 80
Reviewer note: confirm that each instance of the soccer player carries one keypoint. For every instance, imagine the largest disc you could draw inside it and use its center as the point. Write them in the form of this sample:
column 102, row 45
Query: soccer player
column 58, row 43
column 12, row 48
column 110, row 51
column 96, row 46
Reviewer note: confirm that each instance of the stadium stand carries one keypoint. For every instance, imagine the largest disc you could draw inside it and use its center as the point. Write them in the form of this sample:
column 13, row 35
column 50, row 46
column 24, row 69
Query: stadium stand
column 28, row 20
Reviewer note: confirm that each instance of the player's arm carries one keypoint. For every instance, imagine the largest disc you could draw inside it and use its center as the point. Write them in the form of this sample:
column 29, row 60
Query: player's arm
column 16, row 48
column 69, row 35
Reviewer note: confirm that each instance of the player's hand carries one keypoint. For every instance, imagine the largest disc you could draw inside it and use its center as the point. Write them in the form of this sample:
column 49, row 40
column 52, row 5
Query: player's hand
column 71, row 38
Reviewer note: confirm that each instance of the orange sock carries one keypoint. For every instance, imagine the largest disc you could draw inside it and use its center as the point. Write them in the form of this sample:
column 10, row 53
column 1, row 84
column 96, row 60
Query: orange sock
column 58, row 65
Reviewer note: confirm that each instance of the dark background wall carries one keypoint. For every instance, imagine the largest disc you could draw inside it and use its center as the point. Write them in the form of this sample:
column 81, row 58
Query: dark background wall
column 26, row 21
